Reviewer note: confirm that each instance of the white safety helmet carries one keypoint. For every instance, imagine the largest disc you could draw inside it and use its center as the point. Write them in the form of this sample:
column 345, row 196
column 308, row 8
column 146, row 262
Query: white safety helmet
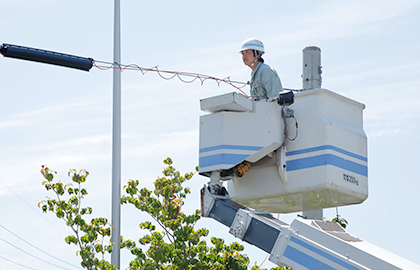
column 253, row 44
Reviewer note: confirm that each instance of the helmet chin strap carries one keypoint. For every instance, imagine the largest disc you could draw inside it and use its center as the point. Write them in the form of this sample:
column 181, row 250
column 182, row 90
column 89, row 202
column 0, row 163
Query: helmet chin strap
column 256, row 59
column 253, row 63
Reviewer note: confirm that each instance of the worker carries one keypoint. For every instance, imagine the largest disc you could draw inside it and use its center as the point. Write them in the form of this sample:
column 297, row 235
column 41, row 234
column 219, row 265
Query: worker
column 265, row 82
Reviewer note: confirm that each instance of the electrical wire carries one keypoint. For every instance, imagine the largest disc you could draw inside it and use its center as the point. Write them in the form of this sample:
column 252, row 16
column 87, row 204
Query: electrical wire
column 266, row 257
column 24, row 266
column 38, row 212
column 278, row 217
column 179, row 74
column 52, row 256
column 297, row 131
column 27, row 241
column 7, row 242
column 101, row 65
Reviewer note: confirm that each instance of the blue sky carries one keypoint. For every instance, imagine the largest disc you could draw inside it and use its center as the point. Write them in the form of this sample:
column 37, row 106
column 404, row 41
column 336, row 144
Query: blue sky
column 62, row 117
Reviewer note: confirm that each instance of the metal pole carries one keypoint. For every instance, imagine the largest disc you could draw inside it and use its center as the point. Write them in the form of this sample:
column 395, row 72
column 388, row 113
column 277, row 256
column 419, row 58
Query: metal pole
column 116, row 142
column 311, row 79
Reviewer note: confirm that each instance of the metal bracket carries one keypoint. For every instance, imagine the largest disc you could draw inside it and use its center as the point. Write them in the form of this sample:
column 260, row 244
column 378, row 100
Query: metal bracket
column 240, row 224
column 287, row 112
column 208, row 199
column 280, row 246
column 281, row 163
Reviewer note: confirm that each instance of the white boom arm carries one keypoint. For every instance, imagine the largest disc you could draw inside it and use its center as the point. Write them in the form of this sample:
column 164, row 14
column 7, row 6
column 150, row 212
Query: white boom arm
column 305, row 244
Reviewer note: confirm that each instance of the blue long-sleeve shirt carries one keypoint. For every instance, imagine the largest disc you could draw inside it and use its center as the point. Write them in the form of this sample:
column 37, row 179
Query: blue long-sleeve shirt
column 265, row 82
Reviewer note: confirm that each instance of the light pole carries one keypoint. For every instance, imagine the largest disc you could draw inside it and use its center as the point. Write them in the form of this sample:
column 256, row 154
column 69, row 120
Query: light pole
column 116, row 142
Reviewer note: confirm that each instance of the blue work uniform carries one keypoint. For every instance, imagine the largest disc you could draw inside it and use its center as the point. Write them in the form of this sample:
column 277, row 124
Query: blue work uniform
column 265, row 82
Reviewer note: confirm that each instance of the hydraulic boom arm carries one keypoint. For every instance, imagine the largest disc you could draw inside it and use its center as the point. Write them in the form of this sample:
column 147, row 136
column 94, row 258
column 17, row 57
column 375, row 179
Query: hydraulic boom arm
column 305, row 244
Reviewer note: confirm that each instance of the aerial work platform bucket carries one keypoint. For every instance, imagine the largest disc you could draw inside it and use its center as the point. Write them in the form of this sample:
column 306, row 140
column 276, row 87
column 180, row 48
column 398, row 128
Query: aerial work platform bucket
column 312, row 159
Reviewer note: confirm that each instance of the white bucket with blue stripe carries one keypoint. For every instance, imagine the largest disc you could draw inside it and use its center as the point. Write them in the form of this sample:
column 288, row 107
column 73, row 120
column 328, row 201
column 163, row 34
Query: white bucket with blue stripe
column 325, row 166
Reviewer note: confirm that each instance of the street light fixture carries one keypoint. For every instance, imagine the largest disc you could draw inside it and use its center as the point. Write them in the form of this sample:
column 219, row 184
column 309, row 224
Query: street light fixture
column 47, row 57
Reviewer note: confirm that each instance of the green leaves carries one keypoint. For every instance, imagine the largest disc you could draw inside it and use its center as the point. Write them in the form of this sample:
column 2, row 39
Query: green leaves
column 71, row 240
column 78, row 177
column 171, row 240
column 89, row 236
column 179, row 245
column 48, row 175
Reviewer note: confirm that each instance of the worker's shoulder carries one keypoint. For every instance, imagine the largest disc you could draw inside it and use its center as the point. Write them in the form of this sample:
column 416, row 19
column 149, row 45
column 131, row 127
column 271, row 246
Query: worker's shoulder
column 267, row 69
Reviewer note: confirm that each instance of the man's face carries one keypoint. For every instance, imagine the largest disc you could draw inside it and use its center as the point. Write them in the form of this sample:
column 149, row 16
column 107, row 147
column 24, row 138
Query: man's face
column 248, row 57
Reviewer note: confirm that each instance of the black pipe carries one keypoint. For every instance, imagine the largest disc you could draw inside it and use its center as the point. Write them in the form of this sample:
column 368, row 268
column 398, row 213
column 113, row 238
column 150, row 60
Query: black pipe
column 47, row 57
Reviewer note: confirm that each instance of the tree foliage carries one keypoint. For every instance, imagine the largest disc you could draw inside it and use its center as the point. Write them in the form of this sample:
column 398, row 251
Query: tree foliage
column 67, row 205
column 171, row 240
column 178, row 245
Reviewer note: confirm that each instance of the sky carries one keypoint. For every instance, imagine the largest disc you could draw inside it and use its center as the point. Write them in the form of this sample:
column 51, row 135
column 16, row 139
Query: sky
column 63, row 117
